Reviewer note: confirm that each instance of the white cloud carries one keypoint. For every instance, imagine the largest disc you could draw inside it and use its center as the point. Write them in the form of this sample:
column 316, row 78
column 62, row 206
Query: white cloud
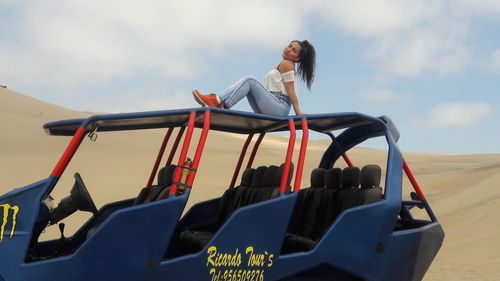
column 140, row 99
column 495, row 60
column 383, row 96
column 370, row 18
column 423, row 50
column 434, row 42
column 480, row 7
column 409, row 38
column 458, row 114
column 69, row 43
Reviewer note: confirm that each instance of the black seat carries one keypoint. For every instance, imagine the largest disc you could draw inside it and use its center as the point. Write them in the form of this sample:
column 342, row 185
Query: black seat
column 333, row 178
column 142, row 196
column 194, row 237
column 264, row 183
column 299, row 209
column 151, row 193
column 244, row 194
column 312, row 202
column 168, row 183
column 370, row 184
column 264, row 176
column 329, row 208
column 300, row 235
column 318, row 178
column 275, row 186
column 348, row 195
column 269, row 185
column 323, row 211
column 290, row 176
column 225, row 206
column 340, row 197
column 162, row 190
column 341, row 193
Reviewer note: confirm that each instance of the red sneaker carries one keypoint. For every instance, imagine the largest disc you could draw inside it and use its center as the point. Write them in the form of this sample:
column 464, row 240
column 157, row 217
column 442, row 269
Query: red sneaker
column 206, row 100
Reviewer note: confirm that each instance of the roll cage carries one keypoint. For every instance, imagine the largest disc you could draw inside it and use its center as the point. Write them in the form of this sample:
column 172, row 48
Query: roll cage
column 358, row 128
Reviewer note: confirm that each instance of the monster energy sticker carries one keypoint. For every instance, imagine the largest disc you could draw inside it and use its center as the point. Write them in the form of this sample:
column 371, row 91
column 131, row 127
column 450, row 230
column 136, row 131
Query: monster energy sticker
column 9, row 214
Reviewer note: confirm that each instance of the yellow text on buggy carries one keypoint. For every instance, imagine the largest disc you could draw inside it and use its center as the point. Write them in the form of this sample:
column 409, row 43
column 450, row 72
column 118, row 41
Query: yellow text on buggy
column 9, row 213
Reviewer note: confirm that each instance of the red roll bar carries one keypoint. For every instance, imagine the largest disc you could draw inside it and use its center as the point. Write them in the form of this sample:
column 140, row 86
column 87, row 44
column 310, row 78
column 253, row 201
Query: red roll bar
column 254, row 151
column 69, row 152
column 347, row 160
column 184, row 151
column 159, row 156
column 174, row 147
column 199, row 150
column 288, row 159
column 240, row 160
column 302, row 154
column 413, row 180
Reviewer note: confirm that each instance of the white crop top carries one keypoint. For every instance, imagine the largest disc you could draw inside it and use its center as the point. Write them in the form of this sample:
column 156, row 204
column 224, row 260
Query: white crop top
column 275, row 81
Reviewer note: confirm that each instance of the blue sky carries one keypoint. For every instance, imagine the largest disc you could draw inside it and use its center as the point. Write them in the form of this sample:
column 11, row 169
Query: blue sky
column 432, row 66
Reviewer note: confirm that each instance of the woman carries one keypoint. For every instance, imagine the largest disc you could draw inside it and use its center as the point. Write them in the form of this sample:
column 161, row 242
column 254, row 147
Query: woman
column 278, row 93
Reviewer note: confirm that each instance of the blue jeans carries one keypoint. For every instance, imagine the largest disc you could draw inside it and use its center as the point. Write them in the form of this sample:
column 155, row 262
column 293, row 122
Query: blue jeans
column 260, row 99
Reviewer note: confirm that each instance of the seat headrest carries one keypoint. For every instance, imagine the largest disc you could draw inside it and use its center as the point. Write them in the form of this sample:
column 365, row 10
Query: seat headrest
column 370, row 176
column 318, row 178
column 350, row 177
column 165, row 175
column 269, row 178
column 333, row 178
column 280, row 173
column 246, row 177
column 258, row 175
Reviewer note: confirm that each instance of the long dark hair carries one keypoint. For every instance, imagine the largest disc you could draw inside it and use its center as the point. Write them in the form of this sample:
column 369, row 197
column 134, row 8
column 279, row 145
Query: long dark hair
column 307, row 63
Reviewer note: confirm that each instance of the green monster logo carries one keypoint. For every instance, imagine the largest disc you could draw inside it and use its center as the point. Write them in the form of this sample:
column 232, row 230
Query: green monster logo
column 5, row 219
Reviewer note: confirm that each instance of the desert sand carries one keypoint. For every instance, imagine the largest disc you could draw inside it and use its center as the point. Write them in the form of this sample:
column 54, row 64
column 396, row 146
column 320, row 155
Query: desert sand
column 461, row 188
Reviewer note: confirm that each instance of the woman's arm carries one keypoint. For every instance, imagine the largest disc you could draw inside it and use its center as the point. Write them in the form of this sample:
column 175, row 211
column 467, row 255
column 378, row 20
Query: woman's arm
column 284, row 67
column 290, row 88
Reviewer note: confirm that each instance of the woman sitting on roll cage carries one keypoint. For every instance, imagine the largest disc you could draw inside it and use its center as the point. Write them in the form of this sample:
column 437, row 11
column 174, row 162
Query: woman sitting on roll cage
column 278, row 93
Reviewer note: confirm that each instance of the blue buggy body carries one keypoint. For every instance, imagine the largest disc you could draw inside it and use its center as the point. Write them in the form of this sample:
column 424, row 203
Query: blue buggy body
column 266, row 228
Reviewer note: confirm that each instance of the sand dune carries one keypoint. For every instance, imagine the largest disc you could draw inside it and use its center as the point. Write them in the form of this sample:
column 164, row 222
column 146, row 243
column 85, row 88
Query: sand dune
column 462, row 188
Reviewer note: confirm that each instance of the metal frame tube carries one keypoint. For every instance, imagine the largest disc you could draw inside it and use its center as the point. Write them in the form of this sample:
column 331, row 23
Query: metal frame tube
column 69, row 152
column 174, row 147
column 199, row 150
column 302, row 154
column 240, row 160
column 254, row 151
column 159, row 156
column 288, row 159
column 184, row 151
column 413, row 180
column 347, row 160
column 419, row 191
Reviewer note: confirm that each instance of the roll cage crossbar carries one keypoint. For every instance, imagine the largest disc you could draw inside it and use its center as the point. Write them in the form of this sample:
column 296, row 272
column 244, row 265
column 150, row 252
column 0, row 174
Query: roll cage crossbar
column 358, row 128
